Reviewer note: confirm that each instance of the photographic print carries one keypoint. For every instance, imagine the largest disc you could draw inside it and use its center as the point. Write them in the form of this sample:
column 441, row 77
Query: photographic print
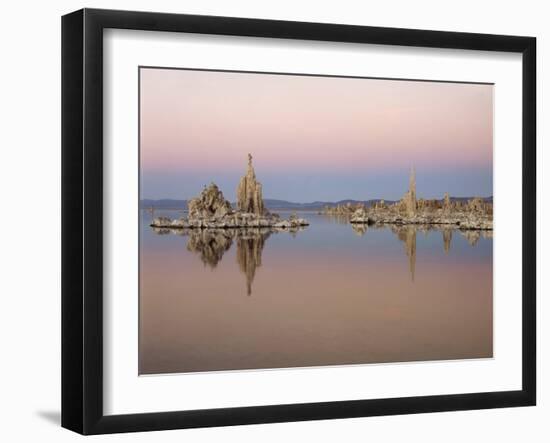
column 292, row 220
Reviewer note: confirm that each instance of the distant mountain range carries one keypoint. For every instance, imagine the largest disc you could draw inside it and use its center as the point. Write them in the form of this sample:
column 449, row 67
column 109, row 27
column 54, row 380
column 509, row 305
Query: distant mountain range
column 279, row 204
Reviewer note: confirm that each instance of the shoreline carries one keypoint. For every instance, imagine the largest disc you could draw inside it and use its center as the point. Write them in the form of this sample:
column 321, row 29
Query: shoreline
column 462, row 221
column 464, row 225
column 234, row 221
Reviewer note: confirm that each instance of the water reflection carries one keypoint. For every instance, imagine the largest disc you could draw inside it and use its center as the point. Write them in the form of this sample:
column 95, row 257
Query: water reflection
column 341, row 219
column 359, row 228
column 318, row 299
column 211, row 245
column 407, row 235
column 447, row 237
column 249, row 254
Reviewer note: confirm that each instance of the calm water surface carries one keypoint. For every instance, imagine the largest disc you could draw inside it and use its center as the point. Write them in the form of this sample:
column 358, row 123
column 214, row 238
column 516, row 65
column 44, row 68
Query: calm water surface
column 326, row 295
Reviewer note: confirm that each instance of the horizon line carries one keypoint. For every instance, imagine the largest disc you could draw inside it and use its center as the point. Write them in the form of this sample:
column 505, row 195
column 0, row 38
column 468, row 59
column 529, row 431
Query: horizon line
column 327, row 201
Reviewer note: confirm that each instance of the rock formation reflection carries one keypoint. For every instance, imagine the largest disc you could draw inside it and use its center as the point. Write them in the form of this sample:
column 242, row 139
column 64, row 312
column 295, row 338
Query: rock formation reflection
column 447, row 237
column 359, row 229
column 211, row 245
column 472, row 237
column 249, row 254
column 407, row 235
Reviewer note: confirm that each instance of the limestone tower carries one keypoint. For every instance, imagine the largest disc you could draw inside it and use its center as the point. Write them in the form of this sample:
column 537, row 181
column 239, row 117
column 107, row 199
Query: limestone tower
column 410, row 196
column 412, row 183
column 446, row 202
column 249, row 192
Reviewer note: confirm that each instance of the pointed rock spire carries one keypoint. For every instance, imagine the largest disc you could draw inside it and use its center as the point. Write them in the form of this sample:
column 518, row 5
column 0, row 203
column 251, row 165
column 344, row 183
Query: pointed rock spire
column 412, row 182
column 446, row 203
column 408, row 202
column 249, row 192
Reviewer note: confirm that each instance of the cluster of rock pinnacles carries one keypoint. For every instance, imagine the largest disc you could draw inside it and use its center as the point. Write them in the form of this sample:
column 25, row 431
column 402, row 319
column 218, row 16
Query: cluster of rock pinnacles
column 211, row 210
column 211, row 204
column 212, row 224
column 473, row 214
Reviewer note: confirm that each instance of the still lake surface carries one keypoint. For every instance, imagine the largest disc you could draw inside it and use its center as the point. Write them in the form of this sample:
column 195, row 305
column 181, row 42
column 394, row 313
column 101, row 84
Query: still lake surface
column 329, row 294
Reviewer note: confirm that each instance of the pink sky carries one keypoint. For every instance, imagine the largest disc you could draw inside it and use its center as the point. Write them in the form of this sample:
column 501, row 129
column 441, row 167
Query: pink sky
column 195, row 120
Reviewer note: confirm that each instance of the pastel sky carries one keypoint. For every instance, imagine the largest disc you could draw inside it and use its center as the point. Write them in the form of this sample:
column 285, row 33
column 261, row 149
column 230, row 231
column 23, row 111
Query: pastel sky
column 313, row 138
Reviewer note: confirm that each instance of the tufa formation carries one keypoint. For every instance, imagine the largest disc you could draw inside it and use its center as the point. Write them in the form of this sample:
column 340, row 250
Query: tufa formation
column 473, row 214
column 249, row 192
column 211, row 210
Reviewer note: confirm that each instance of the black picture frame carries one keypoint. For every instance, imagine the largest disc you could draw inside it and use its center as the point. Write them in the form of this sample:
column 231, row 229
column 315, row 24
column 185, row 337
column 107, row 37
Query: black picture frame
column 82, row 218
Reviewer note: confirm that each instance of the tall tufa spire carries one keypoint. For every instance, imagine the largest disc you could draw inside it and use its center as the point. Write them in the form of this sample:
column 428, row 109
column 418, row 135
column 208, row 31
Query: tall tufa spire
column 412, row 182
column 249, row 192
column 410, row 197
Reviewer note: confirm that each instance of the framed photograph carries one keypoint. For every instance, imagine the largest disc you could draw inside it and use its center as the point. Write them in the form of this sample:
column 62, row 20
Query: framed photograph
column 268, row 221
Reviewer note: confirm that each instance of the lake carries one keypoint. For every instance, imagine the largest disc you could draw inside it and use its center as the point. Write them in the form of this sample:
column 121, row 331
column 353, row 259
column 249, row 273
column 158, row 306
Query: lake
column 329, row 294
